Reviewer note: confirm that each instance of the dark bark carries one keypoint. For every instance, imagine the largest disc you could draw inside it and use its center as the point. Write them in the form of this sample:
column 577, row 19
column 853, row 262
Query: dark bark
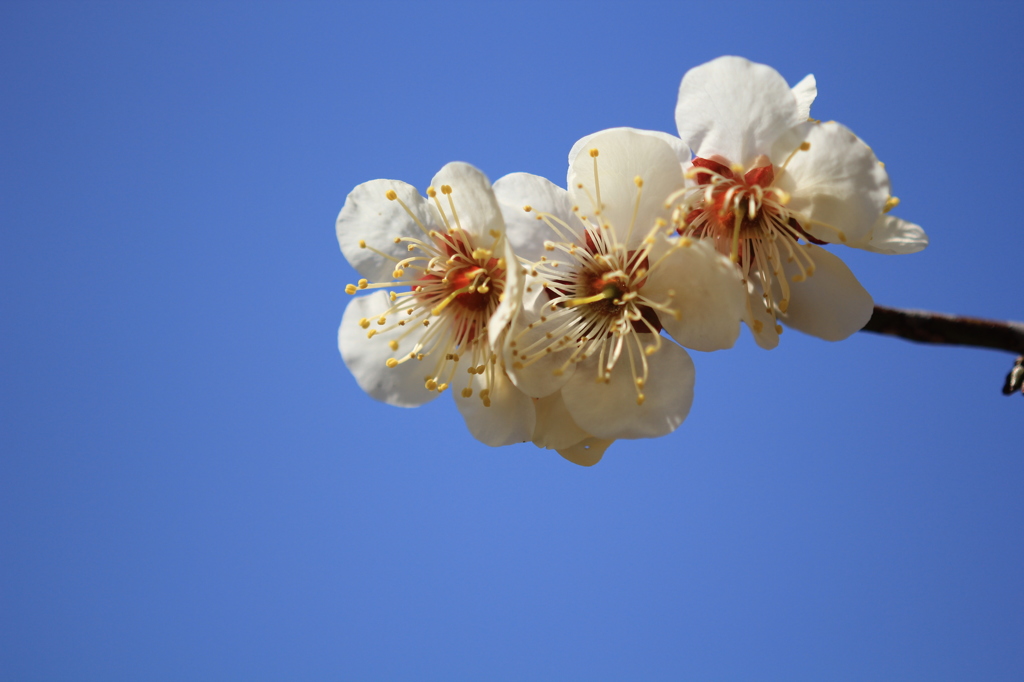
column 927, row 327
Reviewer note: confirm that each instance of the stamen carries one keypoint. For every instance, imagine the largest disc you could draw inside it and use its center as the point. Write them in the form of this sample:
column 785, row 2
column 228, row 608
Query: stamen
column 393, row 196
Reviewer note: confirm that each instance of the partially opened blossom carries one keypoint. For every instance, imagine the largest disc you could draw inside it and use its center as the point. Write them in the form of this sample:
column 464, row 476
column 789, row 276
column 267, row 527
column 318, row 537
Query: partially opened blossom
column 769, row 187
column 603, row 280
column 443, row 286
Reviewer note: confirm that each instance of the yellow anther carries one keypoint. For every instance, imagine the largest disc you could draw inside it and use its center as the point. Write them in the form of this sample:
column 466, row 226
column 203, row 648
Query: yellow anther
column 778, row 329
column 638, row 181
column 494, row 233
column 685, row 242
column 593, row 153
column 364, row 323
column 842, row 237
column 783, row 305
column 441, row 387
column 363, row 283
column 650, row 350
column 391, row 363
column 549, row 246
column 640, row 399
column 350, row 288
column 393, row 345
column 398, row 240
column 430, row 385
column 398, row 273
column 391, row 195
column 529, row 208
column 798, row 277
column 467, row 392
column 370, row 334
column 890, row 204
column 639, row 382
column 393, row 296
column 446, row 189
column 781, row 196
column 362, row 243
column 736, row 168
column 810, row 270
column 804, row 146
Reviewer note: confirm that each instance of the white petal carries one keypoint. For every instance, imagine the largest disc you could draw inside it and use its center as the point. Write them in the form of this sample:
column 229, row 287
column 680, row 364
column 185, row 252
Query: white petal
column 509, row 419
column 838, row 183
column 704, row 286
column 805, row 92
column 735, row 108
column 623, row 156
column 475, row 206
column 893, row 236
column 369, row 216
column 761, row 323
column 555, row 428
column 611, row 411
column 403, row 385
column 678, row 146
column 587, row 452
column 524, row 230
column 831, row 304
column 538, row 378
column 511, row 298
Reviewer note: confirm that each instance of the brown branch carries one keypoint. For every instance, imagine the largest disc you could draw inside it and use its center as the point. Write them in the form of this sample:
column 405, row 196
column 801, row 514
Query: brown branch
column 927, row 327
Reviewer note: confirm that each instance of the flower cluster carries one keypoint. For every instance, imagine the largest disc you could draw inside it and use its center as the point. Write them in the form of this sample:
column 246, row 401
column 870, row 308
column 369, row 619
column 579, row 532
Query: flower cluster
column 561, row 316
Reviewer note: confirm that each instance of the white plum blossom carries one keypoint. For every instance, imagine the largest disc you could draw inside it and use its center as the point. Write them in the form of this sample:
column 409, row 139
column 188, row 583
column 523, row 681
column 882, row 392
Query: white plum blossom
column 603, row 279
column 445, row 286
column 768, row 186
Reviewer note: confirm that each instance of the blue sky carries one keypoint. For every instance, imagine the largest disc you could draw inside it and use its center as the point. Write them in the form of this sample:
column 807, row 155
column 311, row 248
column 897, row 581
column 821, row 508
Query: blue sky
column 193, row 487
